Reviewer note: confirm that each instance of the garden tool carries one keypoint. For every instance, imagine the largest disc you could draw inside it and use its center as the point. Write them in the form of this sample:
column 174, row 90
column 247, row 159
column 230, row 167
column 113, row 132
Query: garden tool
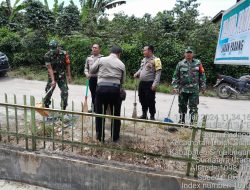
column 85, row 105
column 167, row 119
column 40, row 105
column 134, row 115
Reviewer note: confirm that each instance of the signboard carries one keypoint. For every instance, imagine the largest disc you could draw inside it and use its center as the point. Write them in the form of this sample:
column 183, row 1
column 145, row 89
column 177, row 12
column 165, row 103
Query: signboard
column 234, row 39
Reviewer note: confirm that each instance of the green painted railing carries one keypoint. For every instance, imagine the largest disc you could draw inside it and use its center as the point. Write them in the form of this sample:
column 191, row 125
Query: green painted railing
column 29, row 132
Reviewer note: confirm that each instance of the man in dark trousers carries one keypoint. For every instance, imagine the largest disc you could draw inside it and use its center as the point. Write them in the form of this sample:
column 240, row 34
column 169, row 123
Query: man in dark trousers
column 149, row 75
column 111, row 75
column 188, row 80
column 96, row 49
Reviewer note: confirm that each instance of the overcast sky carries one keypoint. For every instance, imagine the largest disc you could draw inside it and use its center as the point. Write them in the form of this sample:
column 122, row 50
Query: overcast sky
column 140, row 7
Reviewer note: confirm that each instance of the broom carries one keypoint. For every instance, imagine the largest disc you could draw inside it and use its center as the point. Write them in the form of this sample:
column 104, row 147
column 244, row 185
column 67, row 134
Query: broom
column 85, row 105
column 168, row 120
column 134, row 114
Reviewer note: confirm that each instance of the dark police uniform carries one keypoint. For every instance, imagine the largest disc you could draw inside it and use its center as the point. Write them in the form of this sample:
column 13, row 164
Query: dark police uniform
column 111, row 74
column 93, row 77
column 149, row 75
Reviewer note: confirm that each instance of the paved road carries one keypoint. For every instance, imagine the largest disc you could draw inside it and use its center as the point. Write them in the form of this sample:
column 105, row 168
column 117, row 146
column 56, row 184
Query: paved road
column 237, row 110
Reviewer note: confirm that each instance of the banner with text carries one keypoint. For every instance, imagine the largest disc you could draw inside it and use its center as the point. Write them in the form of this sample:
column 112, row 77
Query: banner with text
column 234, row 40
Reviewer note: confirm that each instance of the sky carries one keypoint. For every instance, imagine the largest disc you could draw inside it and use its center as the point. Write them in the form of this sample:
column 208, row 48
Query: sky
column 140, row 7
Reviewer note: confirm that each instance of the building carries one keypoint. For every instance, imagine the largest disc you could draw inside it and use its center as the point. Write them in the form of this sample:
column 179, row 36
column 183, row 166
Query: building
column 217, row 18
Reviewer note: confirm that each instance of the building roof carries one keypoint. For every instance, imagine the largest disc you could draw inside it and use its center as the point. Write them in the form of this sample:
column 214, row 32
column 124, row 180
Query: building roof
column 217, row 18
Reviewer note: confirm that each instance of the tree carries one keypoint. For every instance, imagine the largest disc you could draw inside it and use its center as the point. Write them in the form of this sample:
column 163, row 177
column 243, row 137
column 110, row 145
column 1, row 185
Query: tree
column 38, row 17
column 68, row 20
column 91, row 10
column 4, row 14
column 186, row 14
column 8, row 12
column 99, row 6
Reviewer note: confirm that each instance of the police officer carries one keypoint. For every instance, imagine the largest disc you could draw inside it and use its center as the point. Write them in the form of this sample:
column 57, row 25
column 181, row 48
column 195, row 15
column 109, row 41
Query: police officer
column 149, row 75
column 92, row 77
column 188, row 80
column 58, row 65
column 111, row 75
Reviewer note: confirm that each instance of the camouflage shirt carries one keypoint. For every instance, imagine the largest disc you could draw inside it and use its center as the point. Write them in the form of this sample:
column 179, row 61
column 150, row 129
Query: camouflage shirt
column 189, row 77
column 57, row 61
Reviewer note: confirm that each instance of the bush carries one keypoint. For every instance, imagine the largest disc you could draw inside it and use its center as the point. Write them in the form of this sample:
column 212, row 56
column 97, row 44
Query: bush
column 78, row 48
column 10, row 43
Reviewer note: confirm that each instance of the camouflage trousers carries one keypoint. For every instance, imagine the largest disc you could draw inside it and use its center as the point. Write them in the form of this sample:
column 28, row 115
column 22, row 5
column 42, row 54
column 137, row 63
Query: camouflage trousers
column 190, row 99
column 62, row 84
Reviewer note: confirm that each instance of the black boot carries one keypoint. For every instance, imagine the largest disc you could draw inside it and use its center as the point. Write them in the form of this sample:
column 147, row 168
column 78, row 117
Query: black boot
column 182, row 118
column 152, row 117
column 143, row 116
column 193, row 119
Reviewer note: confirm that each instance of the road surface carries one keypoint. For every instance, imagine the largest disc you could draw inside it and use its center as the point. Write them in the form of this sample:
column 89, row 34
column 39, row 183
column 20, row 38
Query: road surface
column 237, row 110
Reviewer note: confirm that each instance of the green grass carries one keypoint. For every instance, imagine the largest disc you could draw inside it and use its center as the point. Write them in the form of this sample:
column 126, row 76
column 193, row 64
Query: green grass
column 40, row 73
column 30, row 73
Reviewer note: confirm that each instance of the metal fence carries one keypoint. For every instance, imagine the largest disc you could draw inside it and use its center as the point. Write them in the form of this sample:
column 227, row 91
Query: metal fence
column 194, row 149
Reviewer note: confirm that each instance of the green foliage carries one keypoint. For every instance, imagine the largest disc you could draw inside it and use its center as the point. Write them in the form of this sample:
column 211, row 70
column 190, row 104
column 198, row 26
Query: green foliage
column 79, row 48
column 38, row 17
column 16, row 8
column 69, row 20
column 34, row 44
column 25, row 39
column 10, row 42
column 131, row 57
column 4, row 14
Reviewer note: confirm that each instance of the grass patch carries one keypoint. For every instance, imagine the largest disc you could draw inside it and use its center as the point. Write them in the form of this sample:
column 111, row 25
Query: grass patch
column 41, row 74
column 30, row 73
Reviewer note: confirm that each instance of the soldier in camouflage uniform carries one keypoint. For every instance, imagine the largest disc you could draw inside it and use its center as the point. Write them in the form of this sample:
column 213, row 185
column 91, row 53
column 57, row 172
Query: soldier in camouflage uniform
column 58, row 65
column 149, row 75
column 188, row 80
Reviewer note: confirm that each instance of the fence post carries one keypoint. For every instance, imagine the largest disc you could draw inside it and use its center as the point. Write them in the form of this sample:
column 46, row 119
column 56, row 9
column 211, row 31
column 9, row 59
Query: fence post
column 53, row 125
column 203, row 127
column 190, row 155
column 62, row 128
column 7, row 117
column 72, row 126
column 44, row 127
column 16, row 120
column 0, row 132
column 225, row 140
column 25, row 121
column 33, row 123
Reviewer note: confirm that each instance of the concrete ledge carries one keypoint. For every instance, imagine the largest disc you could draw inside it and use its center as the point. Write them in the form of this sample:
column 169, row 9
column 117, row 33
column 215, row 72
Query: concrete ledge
column 67, row 172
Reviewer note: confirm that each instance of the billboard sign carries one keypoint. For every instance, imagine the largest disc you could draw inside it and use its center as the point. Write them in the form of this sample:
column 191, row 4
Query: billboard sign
column 233, row 45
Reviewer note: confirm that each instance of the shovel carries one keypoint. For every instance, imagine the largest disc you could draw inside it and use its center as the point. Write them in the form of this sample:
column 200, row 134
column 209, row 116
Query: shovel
column 134, row 115
column 85, row 105
column 40, row 105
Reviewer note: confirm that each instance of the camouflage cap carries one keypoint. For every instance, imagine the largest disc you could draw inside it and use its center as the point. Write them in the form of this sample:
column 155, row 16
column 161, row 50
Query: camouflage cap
column 189, row 50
